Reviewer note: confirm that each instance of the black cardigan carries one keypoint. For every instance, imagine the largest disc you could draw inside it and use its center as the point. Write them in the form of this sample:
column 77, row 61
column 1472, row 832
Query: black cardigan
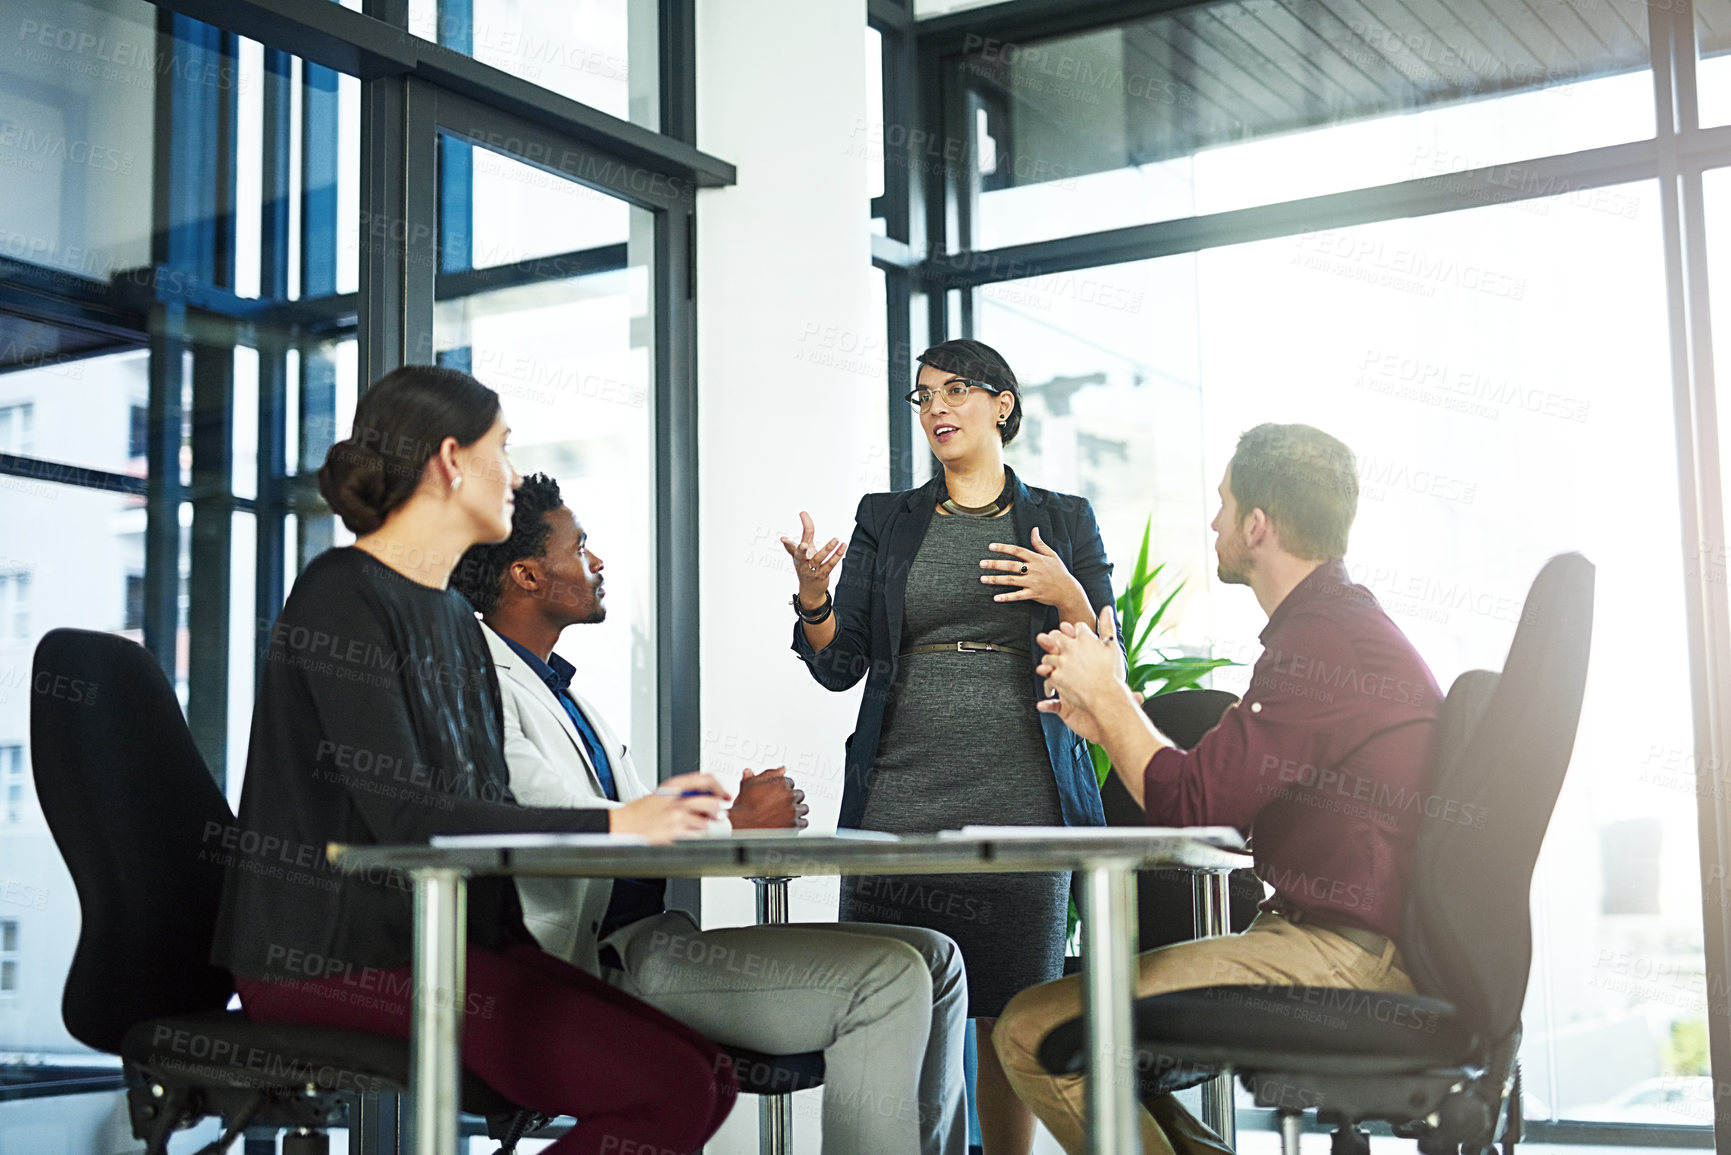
column 377, row 720
column 888, row 531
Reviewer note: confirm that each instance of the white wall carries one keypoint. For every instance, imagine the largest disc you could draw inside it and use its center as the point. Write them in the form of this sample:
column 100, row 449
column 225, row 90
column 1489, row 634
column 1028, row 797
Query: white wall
column 788, row 420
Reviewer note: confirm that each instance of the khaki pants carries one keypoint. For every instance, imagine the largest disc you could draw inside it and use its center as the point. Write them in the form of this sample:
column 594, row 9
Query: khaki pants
column 1272, row 950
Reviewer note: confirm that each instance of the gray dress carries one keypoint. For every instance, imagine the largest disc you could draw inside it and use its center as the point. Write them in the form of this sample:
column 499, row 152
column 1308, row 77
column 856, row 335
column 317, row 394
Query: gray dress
column 962, row 745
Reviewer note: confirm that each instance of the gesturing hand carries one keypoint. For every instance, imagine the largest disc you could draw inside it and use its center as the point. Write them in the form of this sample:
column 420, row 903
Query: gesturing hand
column 1038, row 573
column 811, row 565
column 768, row 801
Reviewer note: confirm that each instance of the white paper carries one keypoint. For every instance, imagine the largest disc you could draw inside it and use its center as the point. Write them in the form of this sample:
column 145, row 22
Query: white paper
column 519, row 841
column 755, row 834
column 1224, row 837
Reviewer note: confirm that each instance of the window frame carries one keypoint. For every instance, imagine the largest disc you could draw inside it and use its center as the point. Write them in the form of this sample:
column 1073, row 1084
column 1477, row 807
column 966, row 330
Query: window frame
column 406, row 84
column 929, row 252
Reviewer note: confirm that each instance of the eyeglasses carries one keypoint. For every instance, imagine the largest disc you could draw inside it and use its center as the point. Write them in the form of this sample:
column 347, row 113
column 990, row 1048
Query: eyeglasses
column 955, row 391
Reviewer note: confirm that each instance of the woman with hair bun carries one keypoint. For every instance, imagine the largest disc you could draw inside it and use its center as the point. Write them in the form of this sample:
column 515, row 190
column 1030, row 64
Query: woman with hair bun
column 944, row 590
column 378, row 720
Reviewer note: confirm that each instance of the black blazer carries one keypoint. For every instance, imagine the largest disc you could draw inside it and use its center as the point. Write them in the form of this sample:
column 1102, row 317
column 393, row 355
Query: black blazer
column 888, row 531
column 377, row 720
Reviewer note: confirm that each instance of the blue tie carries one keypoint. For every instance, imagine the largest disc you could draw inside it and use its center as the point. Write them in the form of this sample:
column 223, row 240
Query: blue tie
column 592, row 743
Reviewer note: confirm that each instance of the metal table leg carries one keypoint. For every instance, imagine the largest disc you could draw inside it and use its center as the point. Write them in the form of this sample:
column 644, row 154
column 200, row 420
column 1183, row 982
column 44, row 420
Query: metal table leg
column 436, row 1030
column 774, row 1112
column 1108, row 956
column 771, row 899
column 1213, row 896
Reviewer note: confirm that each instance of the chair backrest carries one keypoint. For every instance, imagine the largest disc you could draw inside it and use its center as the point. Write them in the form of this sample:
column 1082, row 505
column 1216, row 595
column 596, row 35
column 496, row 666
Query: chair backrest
column 139, row 821
column 1183, row 716
column 1504, row 744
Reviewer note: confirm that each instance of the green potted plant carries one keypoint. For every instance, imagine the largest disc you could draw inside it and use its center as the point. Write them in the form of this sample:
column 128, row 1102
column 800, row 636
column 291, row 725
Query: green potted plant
column 1151, row 671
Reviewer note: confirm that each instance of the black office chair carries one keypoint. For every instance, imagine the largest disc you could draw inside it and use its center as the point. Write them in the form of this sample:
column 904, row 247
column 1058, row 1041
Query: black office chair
column 132, row 808
column 1440, row 1065
column 775, row 1075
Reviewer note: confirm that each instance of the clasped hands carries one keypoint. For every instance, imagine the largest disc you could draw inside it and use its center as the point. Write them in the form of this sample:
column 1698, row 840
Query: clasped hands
column 686, row 804
column 1084, row 672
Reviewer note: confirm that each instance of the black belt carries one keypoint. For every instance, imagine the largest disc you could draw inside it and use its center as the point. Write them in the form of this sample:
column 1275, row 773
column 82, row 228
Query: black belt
column 964, row 648
column 1368, row 940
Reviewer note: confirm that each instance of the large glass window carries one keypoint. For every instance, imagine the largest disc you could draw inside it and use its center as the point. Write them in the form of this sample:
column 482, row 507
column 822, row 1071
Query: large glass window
column 76, row 133
column 1713, row 73
column 1491, row 368
column 133, row 262
column 1503, row 372
column 563, row 331
column 1229, row 105
column 182, row 248
column 603, row 53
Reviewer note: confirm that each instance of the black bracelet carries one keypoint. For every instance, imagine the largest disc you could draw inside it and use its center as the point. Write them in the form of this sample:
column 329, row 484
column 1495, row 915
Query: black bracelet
column 814, row 617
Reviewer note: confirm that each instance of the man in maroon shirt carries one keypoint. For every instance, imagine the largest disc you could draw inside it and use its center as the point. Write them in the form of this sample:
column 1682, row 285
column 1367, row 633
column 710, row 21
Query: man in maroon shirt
column 1324, row 764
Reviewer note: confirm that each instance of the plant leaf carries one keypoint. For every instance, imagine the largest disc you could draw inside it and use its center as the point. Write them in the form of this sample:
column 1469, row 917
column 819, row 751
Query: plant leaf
column 1102, row 764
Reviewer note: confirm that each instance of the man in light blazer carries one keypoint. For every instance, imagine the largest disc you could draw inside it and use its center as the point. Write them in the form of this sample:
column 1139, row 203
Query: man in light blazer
column 886, row 1004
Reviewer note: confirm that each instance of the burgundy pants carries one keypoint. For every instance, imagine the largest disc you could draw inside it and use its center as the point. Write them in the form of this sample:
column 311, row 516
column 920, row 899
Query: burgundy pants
column 547, row 1036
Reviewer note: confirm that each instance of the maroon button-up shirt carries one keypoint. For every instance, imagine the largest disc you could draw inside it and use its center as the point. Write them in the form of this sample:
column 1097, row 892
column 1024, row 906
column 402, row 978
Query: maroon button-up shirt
column 1325, row 763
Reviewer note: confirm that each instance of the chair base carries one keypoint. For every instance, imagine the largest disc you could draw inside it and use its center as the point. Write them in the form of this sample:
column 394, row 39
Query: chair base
column 306, row 1143
column 160, row 1103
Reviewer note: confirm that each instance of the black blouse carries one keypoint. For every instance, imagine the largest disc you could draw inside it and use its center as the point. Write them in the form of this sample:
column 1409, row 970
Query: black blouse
column 377, row 720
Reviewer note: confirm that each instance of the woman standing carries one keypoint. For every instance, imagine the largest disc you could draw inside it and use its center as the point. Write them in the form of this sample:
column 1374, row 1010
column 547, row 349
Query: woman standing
column 377, row 720
column 944, row 590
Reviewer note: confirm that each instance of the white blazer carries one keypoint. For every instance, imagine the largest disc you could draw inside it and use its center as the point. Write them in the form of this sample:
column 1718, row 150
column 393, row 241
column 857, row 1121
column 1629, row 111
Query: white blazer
column 549, row 767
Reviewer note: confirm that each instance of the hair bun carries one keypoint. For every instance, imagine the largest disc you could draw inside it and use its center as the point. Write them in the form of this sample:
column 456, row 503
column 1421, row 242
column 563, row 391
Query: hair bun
column 352, row 482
